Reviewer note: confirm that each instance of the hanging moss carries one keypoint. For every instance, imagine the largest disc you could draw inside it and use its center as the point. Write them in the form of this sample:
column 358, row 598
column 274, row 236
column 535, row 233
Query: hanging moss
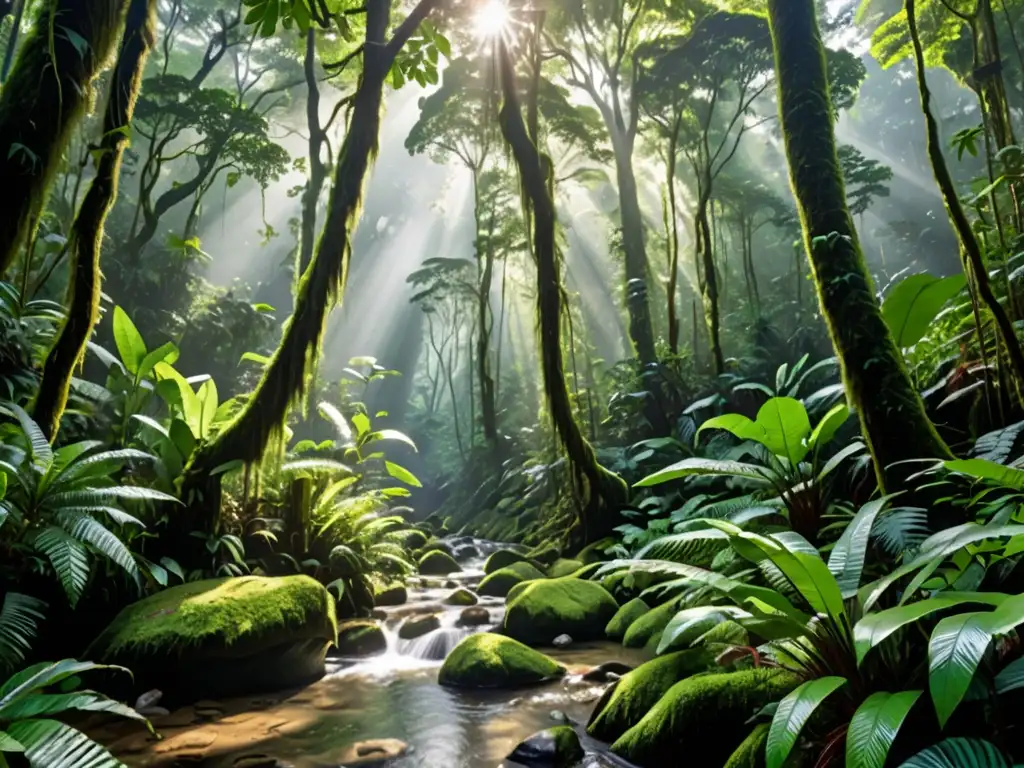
column 48, row 91
column 86, row 238
column 878, row 386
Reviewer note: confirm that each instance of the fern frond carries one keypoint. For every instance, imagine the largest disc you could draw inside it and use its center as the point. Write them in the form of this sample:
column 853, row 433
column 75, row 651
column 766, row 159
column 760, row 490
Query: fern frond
column 69, row 559
column 901, row 529
column 18, row 620
column 86, row 528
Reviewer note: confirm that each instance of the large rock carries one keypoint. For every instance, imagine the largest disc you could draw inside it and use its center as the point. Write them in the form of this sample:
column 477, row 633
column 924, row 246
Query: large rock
column 499, row 583
column 646, row 631
column 624, row 618
column 557, row 747
column 415, row 626
column 707, row 713
column 461, row 596
column 414, row 539
column 625, row 585
column 474, row 616
column 548, row 608
column 391, row 594
column 546, row 553
column 438, row 563
column 624, row 704
column 361, row 637
column 223, row 637
column 487, row 660
column 751, row 753
column 595, row 552
column 563, row 567
column 502, row 559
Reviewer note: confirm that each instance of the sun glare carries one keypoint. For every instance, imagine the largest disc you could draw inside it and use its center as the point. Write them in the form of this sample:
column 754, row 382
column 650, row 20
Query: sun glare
column 491, row 19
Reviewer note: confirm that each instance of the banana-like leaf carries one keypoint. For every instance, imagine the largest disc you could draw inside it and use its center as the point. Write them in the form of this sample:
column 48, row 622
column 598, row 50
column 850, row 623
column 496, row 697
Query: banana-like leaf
column 786, row 426
column 792, row 715
column 959, row 753
column 982, row 469
column 847, row 559
column 678, row 546
column 957, row 646
column 736, row 424
column 828, row 426
column 876, row 627
column 51, row 743
column 692, row 467
column 874, row 727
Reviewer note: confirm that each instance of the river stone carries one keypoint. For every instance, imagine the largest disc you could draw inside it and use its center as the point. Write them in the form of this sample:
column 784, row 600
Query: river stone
column 486, row 660
column 625, row 617
column 604, row 673
column 717, row 704
column 461, row 596
column 624, row 704
column 557, row 747
column 646, row 631
column 436, row 545
column 466, row 552
column 562, row 641
column 374, row 752
column 474, row 616
column 552, row 607
column 414, row 539
column 498, row 583
column 415, row 626
column 392, row 594
column 438, row 563
column 502, row 559
column 361, row 637
column 562, row 568
column 222, row 637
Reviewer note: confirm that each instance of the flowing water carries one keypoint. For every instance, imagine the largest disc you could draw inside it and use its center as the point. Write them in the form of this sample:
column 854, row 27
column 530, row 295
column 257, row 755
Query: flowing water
column 394, row 695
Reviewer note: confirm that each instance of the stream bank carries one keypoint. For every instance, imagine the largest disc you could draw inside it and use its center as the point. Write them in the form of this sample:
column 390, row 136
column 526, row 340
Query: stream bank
column 392, row 698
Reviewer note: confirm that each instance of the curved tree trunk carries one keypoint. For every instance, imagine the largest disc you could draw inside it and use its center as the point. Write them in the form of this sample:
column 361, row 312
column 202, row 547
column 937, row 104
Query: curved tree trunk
column 600, row 493
column 878, row 387
column 86, row 239
column 42, row 101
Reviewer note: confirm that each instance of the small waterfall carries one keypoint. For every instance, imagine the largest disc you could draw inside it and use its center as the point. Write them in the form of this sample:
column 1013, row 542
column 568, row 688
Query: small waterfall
column 436, row 645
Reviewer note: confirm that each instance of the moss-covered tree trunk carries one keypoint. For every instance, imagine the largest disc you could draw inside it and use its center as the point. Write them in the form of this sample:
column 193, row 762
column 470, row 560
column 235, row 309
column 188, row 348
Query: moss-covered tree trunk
column 600, row 493
column 287, row 376
column 48, row 90
column 485, row 320
column 878, row 387
column 86, row 239
column 709, row 279
column 673, row 235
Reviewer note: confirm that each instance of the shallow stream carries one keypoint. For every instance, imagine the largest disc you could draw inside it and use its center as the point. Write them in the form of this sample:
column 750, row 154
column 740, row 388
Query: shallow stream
column 390, row 696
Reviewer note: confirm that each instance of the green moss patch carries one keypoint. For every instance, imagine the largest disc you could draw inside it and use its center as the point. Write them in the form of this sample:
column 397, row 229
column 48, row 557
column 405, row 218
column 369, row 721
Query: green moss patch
column 461, row 596
column 751, row 753
column 624, row 618
column 391, row 594
column 631, row 697
column 562, row 568
column 415, row 626
column 548, row 608
column 415, row 539
column 557, row 747
column 546, row 554
column 361, row 637
column 438, row 563
column 706, row 713
column 595, row 552
column 502, row 559
column 625, row 585
column 499, row 583
column 646, row 631
column 487, row 660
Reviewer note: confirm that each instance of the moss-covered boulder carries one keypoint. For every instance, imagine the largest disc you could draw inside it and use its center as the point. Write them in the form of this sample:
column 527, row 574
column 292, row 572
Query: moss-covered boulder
column 391, row 594
column 415, row 539
column 624, row 618
column 625, row 585
column 436, row 545
column 461, row 596
column 415, row 626
column 707, row 713
column 499, row 583
column 595, row 552
column 223, row 637
column 624, row 704
column 438, row 563
column 646, row 631
column 563, row 567
column 548, row 608
column 487, row 660
column 502, row 559
column 557, row 747
column 361, row 637
column 751, row 752
column 545, row 554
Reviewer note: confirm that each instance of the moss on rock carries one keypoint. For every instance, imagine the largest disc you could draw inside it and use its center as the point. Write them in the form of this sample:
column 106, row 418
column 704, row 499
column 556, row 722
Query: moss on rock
column 225, row 636
column 707, row 713
column 562, row 567
column 502, row 559
column 499, row 583
column 624, row 618
column 546, row 554
column 415, row 539
column 486, row 660
column 751, row 753
column 438, row 563
column 557, row 747
column 461, row 596
column 625, row 585
column 646, row 631
column 415, row 626
column 391, row 594
column 361, row 637
column 635, row 693
column 595, row 552
column 548, row 608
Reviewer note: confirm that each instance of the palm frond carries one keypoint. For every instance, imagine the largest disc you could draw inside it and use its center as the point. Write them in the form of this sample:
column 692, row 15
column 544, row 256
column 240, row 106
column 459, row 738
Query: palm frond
column 101, row 464
column 51, row 742
column 18, row 619
column 901, row 529
column 86, row 528
column 69, row 559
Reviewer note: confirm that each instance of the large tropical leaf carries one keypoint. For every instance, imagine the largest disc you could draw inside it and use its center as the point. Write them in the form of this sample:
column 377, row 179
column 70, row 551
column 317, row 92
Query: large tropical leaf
column 69, row 559
column 828, row 426
column 18, row 620
column 786, row 426
column 959, row 753
column 101, row 464
column 1010, row 677
column 792, row 715
column 402, row 474
column 957, row 646
column 51, row 743
column 692, row 467
column 912, row 304
column 847, row 559
column 874, row 727
column 689, row 624
column 129, row 341
column 84, row 527
column 681, row 547
column 39, row 447
column 982, row 469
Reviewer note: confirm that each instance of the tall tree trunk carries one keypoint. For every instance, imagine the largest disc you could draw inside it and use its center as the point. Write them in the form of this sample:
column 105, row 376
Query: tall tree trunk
column 41, row 103
column 600, row 493
column 878, row 387
column 485, row 320
column 317, row 169
column 709, row 283
column 978, row 271
column 86, row 239
column 12, row 39
column 286, row 377
column 673, row 238
column 988, row 71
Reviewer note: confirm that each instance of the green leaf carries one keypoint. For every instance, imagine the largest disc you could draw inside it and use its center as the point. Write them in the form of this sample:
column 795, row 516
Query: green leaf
column 391, row 434
column 737, row 424
column 874, row 727
column 847, row 559
column 689, row 624
column 914, row 302
column 786, row 427
column 255, row 358
column 165, row 353
column 691, row 467
column 793, row 713
column 401, row 473
column 828, row 426
column 1011, row 677
column 983, row 469
column 39, row 447
column 129, row 341
column 362, row 423
column 959, row 753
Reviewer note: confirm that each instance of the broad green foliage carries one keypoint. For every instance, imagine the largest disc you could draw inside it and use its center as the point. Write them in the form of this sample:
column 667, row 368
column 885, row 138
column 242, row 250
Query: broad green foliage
column 911, row 305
